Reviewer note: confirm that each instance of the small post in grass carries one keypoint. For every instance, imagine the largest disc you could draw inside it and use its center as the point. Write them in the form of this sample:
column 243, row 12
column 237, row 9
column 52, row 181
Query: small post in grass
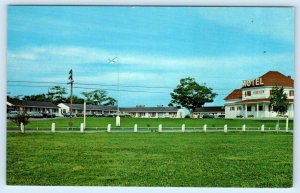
column 225, row 128
column 135, row 128
column 22, row 127
column 287, row 124
column 53, row 128
column 244, row 127
column 159, row 128
column 183, row 127
column 262, row 127
column 81, row 127
column 109, row 128
column 205, row 128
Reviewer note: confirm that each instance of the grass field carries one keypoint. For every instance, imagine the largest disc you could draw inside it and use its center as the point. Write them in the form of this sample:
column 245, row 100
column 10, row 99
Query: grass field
column 92, row 123
column 151, row 159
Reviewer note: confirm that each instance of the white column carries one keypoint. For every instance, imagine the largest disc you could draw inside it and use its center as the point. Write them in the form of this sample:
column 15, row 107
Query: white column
column 246, row 111
column 53, row 128
column 135, row 128
column 205, row 128
column 81, row 127
column 109, row 128
column 118, row 121
column 287, row 124
column 257, row 110
column 225, row 128
column 262, row 127
column 84, row 114
column 22, row 128
column 244, row 127
column 183, row 127
column 159, row 128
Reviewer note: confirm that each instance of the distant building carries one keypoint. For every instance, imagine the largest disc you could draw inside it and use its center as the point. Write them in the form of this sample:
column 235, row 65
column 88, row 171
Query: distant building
column 90, row 109
column 215, row 111
column 252, row 99
column 31, row 106
column 150, row 112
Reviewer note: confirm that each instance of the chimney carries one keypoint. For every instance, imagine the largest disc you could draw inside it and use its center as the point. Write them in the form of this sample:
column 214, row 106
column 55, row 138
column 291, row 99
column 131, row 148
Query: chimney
column 289, row 76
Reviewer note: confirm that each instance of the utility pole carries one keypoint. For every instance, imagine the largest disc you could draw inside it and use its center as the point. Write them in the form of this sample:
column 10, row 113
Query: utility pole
column 71, row 96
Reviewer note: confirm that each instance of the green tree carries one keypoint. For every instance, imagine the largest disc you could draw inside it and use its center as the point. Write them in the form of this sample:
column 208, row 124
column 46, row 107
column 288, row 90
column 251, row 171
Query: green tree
column 76, row 100
column 21, row 117
column 279, row 102
column 98, row 97
column 37, row 97
column 56, row 94
column 191, row 95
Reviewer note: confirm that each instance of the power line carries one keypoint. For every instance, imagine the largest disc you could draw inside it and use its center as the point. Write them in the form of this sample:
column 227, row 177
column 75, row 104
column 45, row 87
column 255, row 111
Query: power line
column 112, row 85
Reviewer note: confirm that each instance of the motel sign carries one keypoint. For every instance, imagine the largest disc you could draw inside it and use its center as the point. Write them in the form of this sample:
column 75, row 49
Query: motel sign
column 255, row 82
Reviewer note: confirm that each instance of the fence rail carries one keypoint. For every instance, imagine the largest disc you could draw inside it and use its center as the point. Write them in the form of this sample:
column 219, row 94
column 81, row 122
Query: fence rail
column 52, row 128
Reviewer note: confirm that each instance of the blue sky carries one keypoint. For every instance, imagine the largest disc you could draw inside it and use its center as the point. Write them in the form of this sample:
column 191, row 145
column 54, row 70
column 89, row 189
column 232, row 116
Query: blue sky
column 155, row 46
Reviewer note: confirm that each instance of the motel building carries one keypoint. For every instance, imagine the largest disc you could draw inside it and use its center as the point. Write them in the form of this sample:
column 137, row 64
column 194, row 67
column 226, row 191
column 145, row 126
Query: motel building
column 90, row 109
column 252, row 99
column 151, row 112
column 31, row 106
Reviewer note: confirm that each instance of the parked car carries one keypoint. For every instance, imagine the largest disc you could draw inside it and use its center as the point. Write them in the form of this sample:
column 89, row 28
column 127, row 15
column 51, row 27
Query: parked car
column 207, row 116
column 98, row 114
column 49, row 115
column 35, row 115
column 68, row 115
column 221, row 116
column 12, row 114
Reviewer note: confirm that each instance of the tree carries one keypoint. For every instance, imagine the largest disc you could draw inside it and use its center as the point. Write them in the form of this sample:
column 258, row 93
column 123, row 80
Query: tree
column 21, row 117
column 191, row 95
column 76, row 100
column 56, row 94
column 98, row 97
column 37, row 97
column 279, row 102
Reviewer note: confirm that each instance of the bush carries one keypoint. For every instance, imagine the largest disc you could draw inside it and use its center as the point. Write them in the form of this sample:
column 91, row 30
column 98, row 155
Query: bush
column 187, row 116
column 250, row 116
column 21, row 118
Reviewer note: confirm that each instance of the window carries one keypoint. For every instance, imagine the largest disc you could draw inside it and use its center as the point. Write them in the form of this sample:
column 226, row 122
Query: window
column 232, row 108
column 239, row 108
column 249, row 108
column 270, row 92
column 248, row 93
column 270, row 108
column 260, row 108
column 291, row 93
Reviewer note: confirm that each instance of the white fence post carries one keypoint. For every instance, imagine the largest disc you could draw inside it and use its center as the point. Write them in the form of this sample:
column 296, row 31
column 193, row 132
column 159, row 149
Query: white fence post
column 109, row 128
column 53, row 128
column 135, row 128
column 159, row 128
column 118, row 121
column 262, row 127
column 287, row 124
column 81, row 127
column 204, row 127
column 244, row 127
column 225, row 128
column 183, row 127
column 22, row 128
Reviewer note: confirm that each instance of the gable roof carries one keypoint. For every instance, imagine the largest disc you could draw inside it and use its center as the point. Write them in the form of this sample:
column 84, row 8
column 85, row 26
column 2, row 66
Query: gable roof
column 40, row 104
column 148, row 109
column 275, row 78
column 236, row 94
column 92, row 107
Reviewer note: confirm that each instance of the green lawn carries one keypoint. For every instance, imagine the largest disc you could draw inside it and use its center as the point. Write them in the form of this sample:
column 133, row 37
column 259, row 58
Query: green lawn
column 151, row 159
column 92, row 123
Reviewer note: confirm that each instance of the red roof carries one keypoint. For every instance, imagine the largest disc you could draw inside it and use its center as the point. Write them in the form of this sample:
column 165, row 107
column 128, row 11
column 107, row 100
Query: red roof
column 259, row 100
column 236, row 94
column 275, row 78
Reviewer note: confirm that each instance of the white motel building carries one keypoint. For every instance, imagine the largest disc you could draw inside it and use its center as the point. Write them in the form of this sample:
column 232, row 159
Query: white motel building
column 252, row 99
